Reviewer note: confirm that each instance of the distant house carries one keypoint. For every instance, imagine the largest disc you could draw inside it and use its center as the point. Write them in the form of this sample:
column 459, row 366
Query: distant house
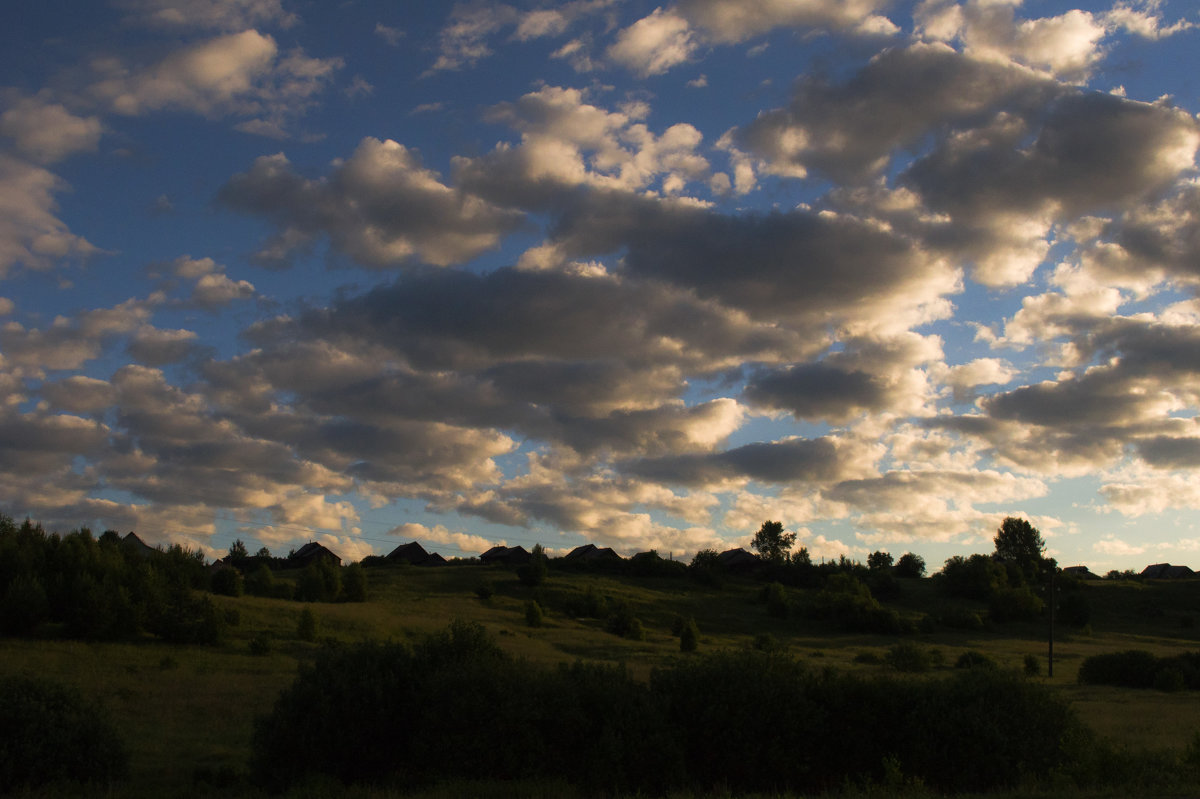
column 738, row 560
column 415, row 554
column 311, row 552
column 591, row 554
column 1165, row 571
column 1081, row 572
column 131, row 543
column 505, row 556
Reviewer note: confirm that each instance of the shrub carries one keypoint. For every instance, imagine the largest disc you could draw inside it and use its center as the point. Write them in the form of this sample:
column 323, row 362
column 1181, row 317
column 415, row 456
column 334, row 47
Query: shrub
column 306, row 625
column 975, row 660
column 774, row 596
column 1033, row 666
column 227, row 582
column 534, row 615
column 321, row 581
column 689, row 637
column 1015, row 604
column 261, row 581
column 49, row 733
column 354, row 583
column 485, row 590
column 907, row 656
column 260, row 645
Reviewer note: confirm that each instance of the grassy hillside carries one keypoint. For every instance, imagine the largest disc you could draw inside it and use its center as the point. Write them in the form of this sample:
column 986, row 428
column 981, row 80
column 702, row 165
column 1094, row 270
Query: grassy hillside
column 187, row 712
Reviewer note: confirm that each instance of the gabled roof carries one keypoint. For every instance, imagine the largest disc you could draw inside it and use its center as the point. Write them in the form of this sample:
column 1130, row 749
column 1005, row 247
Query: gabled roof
column 415, row 554
column 513, row 556
column 313, row 550
column 588, row 553
column 1165, row 571
column 137, row 545
column 1082, row 572
column 737, row 558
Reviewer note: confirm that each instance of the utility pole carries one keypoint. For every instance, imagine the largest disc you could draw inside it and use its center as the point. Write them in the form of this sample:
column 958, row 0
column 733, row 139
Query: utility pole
column 1050, row 667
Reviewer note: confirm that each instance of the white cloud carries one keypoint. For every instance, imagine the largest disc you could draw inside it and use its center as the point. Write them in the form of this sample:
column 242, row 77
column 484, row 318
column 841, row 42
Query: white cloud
column 46, row 132
column 226, row 15
column 30, row 233
column 654, row 44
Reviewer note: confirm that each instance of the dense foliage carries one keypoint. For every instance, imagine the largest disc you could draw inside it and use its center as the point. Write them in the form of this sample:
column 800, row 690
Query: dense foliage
column 101, row 589
column 744, row 720
column 1135, row 668
column 48, row 733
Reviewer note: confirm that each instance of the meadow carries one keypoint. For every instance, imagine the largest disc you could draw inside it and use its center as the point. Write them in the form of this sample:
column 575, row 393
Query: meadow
column 187, row 712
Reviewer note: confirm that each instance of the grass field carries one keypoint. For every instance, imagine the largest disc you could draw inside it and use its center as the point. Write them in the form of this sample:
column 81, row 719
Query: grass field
column 187, row 713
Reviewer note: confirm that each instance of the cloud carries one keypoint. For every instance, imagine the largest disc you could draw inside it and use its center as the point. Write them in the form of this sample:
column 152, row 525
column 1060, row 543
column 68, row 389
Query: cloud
column 30, row 233
column 45, row 131
column 390, row 35
column 1067, row 45
column 228, row 15
column 465, row 544
column 380, row 207
column 654, row 44
column 242, row 74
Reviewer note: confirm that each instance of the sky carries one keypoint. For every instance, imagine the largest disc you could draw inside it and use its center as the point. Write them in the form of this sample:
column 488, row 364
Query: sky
column 604, row 271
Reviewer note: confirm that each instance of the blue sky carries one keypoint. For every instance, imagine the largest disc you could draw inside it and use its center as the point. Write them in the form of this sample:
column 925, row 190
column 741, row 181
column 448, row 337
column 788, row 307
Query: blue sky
column 604, row 270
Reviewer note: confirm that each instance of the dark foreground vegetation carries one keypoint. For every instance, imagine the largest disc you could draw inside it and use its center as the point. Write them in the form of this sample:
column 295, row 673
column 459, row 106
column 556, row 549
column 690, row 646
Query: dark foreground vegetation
column 742, row 720
column 768, row 675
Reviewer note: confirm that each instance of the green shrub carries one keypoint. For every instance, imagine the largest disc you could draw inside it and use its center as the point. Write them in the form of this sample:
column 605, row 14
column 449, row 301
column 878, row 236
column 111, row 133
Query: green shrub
column 227, row 581
column 48, row 733
column 1033, row 666
column 975, row 660
column 306, row 625
column 485, row 590
column 907, row 656
column 1015, row 604
column 534, row 616
column 261, row 581
column 774, row 596
column 354, row 583
column 689, row 637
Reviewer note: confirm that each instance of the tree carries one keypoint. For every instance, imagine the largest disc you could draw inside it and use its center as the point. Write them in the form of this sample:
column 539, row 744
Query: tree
column 910, row 565
column 533, row 573
column 772, row 543
column 1019, row 542
column 238, row 551
column 879, row 561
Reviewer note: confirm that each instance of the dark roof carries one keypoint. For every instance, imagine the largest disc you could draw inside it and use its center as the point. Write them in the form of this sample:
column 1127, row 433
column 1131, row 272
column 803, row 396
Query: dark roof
column 311, row 551
column 513, row 556
column 588, row 553
column 414, row 553
column 137, row 545
column 737, row 559
column 1082, row 572
column 1165, row 571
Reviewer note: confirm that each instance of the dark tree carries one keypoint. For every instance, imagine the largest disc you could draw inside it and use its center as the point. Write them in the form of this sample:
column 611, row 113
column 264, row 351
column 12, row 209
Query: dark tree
column 772, row 543
column 238, row 551
column 533, row 573
column 879, row 561
column 910, row 565
column 1018, row 542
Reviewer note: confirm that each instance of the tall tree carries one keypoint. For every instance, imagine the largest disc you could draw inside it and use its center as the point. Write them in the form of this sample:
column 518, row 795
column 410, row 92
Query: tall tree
column 1019, row 542
column 772, row 543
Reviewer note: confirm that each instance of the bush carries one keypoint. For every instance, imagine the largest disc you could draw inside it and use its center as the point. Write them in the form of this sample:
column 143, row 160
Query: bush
column 485, row 590
column 261, row 581
column 907, row 656
column 227, row 582
column 975, row 660
column 740, row 722
column 49, row 733
column 306, row 625
column 1033, row 666
column 534, row 616
column 354, row 583
column 1015, row 604
column 689, row 637
column 774, row 596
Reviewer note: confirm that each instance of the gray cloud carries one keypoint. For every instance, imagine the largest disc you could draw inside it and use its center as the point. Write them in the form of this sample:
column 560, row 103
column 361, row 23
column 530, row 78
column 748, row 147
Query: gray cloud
column 380, row 207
